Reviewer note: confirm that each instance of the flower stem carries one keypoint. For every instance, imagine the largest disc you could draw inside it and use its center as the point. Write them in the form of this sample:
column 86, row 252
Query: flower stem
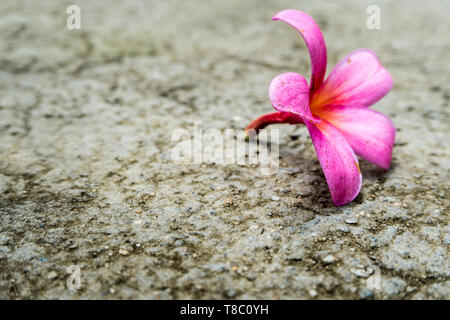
column 271, row 118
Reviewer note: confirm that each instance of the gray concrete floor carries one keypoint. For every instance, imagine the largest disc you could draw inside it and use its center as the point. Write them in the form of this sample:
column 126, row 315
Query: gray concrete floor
column 86, row 118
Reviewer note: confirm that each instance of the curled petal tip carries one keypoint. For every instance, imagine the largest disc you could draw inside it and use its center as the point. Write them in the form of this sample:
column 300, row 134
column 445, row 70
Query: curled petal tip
column 312, row 35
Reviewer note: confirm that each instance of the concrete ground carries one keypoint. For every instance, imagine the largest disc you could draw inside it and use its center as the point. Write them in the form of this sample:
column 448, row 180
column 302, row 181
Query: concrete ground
column 86, row 177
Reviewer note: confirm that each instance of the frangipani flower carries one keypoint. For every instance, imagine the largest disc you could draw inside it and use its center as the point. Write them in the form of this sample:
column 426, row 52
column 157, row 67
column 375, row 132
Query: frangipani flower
column 335, row 111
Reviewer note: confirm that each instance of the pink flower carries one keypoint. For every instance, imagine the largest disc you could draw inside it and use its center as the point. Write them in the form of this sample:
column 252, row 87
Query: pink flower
column 335, row 111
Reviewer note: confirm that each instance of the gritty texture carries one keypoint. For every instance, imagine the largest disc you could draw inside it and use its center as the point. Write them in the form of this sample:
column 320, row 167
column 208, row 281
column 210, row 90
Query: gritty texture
column 86, row 177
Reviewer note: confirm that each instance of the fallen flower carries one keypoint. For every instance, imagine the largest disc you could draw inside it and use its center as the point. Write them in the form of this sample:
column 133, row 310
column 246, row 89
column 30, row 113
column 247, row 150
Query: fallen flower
column 335, row 111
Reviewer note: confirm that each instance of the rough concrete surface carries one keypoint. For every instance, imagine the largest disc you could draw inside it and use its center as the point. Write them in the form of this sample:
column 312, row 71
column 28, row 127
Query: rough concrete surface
column 86, row 178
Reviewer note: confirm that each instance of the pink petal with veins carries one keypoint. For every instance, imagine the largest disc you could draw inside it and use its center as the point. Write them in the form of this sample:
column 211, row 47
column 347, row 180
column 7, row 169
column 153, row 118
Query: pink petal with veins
column 357, row 80
column 339, row 163
column 289, row 92
column 370, row 133
column 313, row 37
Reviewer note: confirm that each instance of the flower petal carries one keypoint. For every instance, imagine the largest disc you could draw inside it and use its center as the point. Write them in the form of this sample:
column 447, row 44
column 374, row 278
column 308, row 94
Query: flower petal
column 370, row 133
column 289, row 92
column 357, row 80
column 313, row 37
column 339, row 163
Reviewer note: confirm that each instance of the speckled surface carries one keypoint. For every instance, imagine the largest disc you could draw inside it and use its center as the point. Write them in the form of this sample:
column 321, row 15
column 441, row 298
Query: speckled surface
column 86, row 118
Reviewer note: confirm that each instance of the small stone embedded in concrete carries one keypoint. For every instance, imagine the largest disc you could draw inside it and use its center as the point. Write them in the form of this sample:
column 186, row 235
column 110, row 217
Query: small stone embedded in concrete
column 361, row 273
column 351, row 221
column 123, row 252
column 366, row 293
column 328, row 259
column 231, row 293
column 312, row 293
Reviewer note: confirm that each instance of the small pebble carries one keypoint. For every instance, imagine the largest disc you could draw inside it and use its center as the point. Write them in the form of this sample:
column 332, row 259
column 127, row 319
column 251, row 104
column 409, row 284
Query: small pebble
column 410, row 289
column 329, row 259
column 366, row 293
column 351, row 221
column 360, row 273
column 275, row 198
column 312, row 293
column 52, row 275
column 123, row 252
column 231, row 293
